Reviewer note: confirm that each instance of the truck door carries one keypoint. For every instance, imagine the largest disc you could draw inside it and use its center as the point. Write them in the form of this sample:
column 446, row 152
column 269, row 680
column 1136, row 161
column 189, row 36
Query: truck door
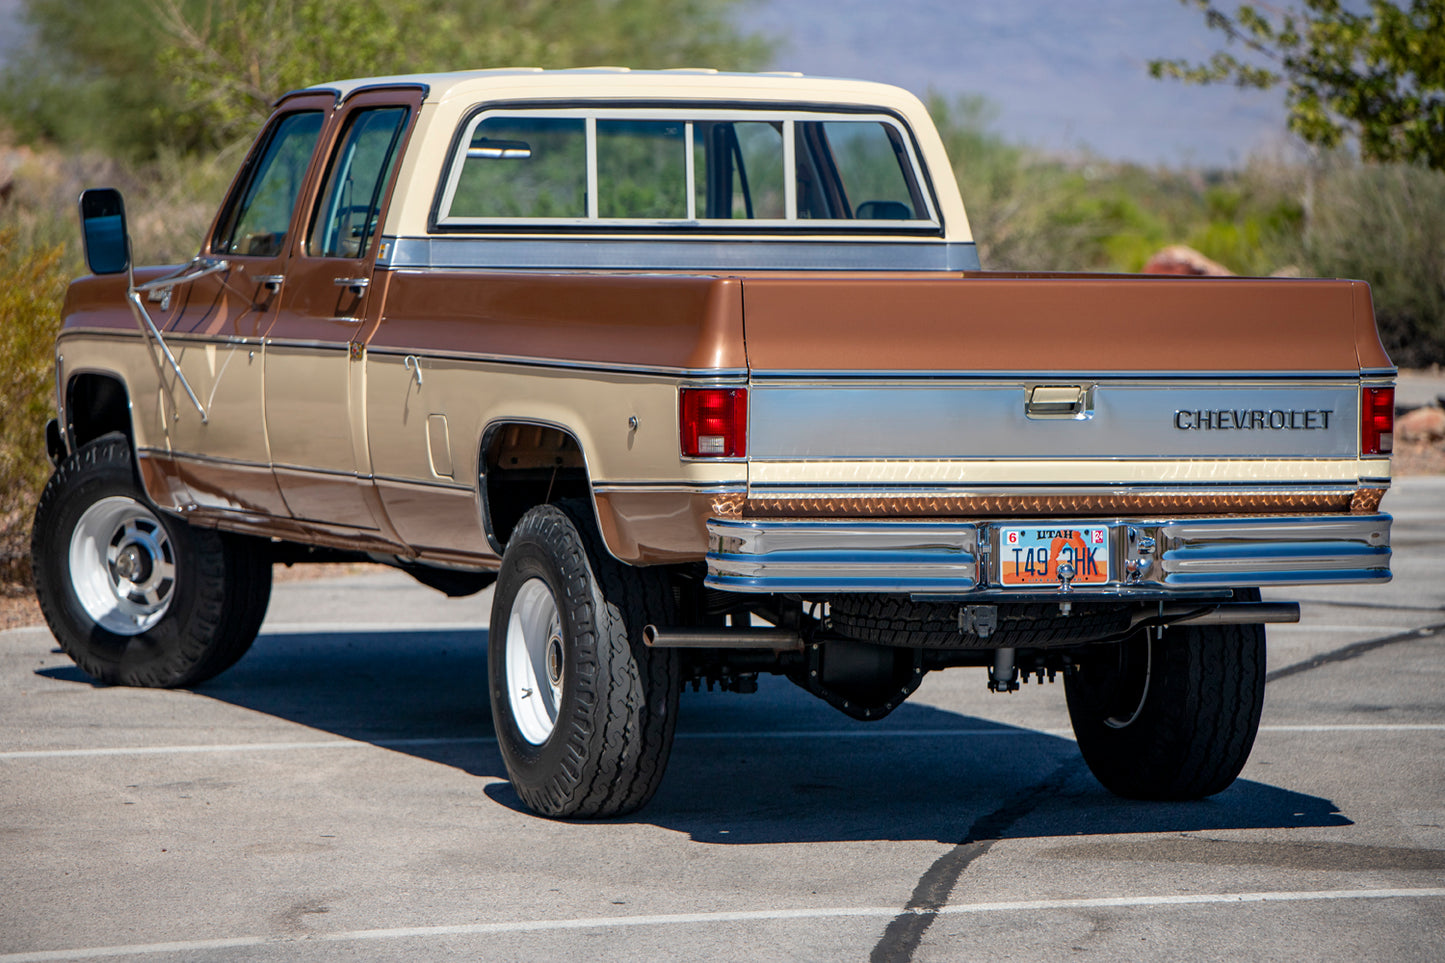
column 215, row 325
column 315, row 376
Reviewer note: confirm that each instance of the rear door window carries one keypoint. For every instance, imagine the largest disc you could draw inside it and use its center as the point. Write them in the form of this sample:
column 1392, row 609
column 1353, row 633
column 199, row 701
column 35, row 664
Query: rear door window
column 345, row 220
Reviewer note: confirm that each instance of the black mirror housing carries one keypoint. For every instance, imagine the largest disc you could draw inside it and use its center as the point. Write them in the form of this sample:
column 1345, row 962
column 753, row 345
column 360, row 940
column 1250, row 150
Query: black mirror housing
column 102, row 226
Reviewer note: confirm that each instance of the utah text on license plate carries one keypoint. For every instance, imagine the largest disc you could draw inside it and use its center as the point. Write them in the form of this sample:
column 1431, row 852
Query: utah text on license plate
column 1032, row 556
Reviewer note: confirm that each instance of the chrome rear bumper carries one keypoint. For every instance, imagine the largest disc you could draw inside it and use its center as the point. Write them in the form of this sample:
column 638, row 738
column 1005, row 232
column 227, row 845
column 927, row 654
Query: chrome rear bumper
column 1148, row 556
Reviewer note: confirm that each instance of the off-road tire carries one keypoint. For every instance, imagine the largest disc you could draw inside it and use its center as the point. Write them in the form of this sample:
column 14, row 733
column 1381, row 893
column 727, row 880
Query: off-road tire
column 898, row 620
column 1171, row 718
column 221, row 586
column 617, row 705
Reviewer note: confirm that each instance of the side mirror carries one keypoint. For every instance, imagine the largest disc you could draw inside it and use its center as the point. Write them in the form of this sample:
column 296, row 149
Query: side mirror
column 102, row 226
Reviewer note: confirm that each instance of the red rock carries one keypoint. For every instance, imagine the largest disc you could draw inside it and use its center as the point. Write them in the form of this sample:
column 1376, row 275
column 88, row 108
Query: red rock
column 1180, row 259
column 1422, row 424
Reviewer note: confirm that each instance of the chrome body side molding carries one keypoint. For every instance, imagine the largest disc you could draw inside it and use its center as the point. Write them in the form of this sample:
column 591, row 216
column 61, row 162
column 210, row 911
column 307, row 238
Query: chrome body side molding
column 704, row 255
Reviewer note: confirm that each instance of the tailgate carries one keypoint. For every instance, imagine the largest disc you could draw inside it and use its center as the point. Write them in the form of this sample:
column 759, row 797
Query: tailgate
column 1097, row 388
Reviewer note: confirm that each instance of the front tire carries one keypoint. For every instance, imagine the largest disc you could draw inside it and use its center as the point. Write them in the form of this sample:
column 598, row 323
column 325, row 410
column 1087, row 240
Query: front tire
column 1170, row 718
column 134, row 596
column 584, row 710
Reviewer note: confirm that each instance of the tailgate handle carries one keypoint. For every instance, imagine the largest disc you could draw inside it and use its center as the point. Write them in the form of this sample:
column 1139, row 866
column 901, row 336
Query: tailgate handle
column 1059, row 401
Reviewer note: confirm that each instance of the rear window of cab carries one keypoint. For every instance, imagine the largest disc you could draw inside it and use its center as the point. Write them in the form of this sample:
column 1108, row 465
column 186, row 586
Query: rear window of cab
column 678, row 169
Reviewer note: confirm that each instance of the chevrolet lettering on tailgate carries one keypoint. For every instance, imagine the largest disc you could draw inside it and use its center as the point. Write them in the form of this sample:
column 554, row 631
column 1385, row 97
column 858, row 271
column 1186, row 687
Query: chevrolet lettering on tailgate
column 1256, row 420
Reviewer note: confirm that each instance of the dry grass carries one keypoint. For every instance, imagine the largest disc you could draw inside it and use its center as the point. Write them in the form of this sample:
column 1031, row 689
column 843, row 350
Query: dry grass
column 1420, row 458
column 32, row 282
column 19, row 611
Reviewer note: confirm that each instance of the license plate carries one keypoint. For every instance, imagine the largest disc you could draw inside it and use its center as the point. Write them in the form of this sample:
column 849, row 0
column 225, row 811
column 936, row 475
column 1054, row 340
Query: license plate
column 1032, row 556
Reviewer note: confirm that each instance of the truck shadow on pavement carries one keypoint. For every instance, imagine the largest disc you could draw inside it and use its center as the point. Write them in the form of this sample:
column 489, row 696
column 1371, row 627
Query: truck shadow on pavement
column 775, row 767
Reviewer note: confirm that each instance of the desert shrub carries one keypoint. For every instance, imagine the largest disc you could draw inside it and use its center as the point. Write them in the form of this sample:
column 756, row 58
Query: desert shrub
column 169, row 200
column 32, row 285
column 1385, row 224
column 1250, row 220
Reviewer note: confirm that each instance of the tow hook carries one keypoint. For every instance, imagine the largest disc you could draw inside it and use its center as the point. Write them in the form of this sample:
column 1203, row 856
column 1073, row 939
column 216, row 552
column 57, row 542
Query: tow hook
column 1066, row 579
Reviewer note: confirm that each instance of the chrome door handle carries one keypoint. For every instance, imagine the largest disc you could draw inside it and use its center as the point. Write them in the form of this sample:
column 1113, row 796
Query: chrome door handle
column 355, row 284
column 271, row 282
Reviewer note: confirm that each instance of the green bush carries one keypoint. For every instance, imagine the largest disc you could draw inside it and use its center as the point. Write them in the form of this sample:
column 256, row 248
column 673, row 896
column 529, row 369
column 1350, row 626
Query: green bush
column 32, row 285
column 1385, row 224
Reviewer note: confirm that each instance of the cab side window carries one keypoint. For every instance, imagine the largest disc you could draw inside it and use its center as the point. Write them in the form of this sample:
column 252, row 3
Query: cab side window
column 345, row 220
column 873, row 167
column 641, row 169
column 260, row 214
column 524, row 167
column 738, row 169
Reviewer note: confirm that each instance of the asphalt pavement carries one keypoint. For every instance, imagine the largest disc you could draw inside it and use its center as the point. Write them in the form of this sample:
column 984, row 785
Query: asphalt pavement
column 1420, row 387
column 337, row 796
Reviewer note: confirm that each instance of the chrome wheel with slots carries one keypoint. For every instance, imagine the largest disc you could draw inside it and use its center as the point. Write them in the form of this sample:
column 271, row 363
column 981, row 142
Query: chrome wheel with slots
column 122, row 565
column 135, row 596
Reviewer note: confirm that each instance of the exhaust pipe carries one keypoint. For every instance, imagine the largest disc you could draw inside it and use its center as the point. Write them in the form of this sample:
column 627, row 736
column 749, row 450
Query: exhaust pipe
column 779, row 640
column 1224, row 613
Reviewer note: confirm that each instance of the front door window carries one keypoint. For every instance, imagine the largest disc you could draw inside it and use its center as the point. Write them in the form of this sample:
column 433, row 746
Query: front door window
column 256, row 225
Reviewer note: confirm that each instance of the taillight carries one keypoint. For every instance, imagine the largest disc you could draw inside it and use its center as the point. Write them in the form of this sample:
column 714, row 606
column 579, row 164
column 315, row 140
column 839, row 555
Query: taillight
column 1377, row 421
column 714, row 422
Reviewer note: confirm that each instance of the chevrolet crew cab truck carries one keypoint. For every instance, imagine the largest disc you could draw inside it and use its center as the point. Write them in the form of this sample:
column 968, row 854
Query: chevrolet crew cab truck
column 702, row 371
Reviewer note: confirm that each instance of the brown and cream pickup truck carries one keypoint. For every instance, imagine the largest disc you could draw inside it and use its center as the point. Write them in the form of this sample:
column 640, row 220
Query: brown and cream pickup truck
column 702, row 371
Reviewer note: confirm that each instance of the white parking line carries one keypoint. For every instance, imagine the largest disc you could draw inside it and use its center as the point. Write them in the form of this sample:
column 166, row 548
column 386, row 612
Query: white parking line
column 744, row 916
column 240, row 747
column 1360, row 727
column 739, row 736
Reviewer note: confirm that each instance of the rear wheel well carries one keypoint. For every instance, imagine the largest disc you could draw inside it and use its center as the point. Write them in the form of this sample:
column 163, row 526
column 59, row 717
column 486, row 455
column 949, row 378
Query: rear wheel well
column 96, row 405
column 525, row 465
